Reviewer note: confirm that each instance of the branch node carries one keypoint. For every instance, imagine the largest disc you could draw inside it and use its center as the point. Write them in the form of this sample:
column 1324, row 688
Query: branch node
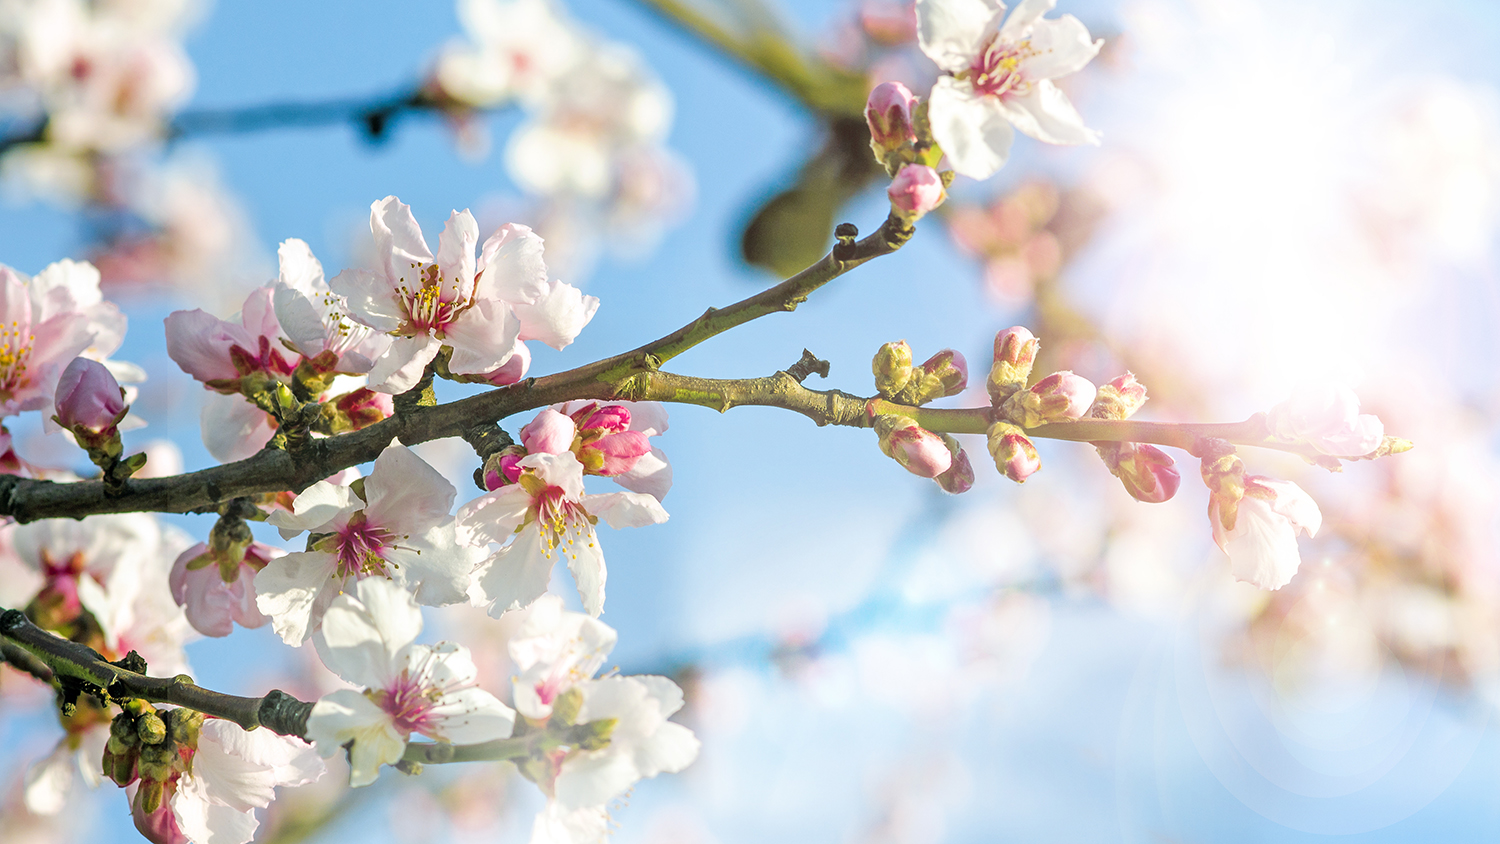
column 807, row 366
column 844, row 250
column 281, row 713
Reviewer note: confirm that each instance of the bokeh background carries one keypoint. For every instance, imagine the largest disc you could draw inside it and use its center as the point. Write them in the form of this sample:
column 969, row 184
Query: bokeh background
column 1286, row 191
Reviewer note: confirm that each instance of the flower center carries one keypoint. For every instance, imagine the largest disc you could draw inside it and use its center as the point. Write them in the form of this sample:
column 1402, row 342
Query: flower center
column 15, row 353
column 360, row 547
column 997, row 71
column 560, row 520
column 410, row 702
column 427, row 306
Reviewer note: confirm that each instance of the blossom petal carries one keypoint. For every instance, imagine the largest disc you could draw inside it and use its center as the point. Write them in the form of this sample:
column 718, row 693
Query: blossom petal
column 435, row 567
column 626, row 509
column 1045, row 113
column 287, row 590
column 483, row 338
column 511, row 266
column 401, row 367
column 371, row 298
column 953, row 32
column 405, row 494
column 586, row 562
column 651, row 474
column 300, row 269
column 347, row 715
column 363, row 632
column 206, row 822
column 233, row 428
column 514, row 576
column 971, row 128
column 398, row 240
column 456, row 245
column 315, row 509
column 1022, row 19
column 493, row 517
column 471, row 716
column 242, row 768
column 1063, row 46
column 557, row 316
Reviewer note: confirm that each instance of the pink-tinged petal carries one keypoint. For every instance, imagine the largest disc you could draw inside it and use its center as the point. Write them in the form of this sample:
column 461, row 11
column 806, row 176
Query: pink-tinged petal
column 288, row 589
column 626, row 509
column 515, row 576
column 455, row 256
column 206, row 821
column 560, row 470
column 587, row 565
column 212, row 606
column 404, row 494
column 483, row 338
column 233, row 428
column 1063, row 46
column 402, row 366
column 972, row 129
column 1027, row 13
column 492, row 517
column 651, row 475
column 1045, row 113
column 648, row 417
column 511, row 266
column 259, row 315
column 621, row 451
column 347, row 715
column 1290, row 502
column 371, row 298
column 514, row 368
column 398, row 241
column 952, row 32
column 550, row 433
column 66, row 285
column 558, row 315
column 199, row 342
column 300, row 270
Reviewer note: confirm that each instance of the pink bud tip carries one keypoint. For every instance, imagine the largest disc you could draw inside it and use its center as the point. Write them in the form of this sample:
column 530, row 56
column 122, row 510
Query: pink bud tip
column 1059, row 387
column 1016, row 346
column 88, row 396
column 888, row 111
column 916, row 190
column 549, row 433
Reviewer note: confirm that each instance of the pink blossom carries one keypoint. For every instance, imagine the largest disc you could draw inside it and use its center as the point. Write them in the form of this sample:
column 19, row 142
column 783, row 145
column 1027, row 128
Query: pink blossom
column 219, row 354
column 1262, row 542
column 212, row 603
column 46, row 322
column 88, row 397
column 916, row 191
column 1327, row 418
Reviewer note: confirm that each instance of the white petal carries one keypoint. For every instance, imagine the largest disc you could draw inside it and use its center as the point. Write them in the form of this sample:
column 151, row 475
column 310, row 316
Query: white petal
column 205, row 822
column 371, row 298
column 435, row 567
column 494, row 516
column 405, row 494
column 362, row 633
column 398, row 241
column 626, row 509
column 315, row 509
column 1063, row 45
column 586, row 562
column 400, row 368
column 483, row 338
column 971, row 128
column 557, row 824
column 651, row 474
column 1045, row 113
column 287, row 590
column 347, row 715
column 456, row 244
column 49, row 780
column 952, row 32
column 300, row 270
column 515, row 576
column 233, row 428
column 471, row 716
column 558, row 316
column 512, row 267
column 1026, row 14
column 300, row 320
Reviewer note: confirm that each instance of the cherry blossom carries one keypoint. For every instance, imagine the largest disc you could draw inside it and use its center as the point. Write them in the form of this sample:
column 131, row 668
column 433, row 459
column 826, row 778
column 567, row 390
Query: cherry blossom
column 46, row 322
column 231, row 358
column 520, row 49
column 367, row 639
column 543, row 514
column 215, row 592
column 998, row 78
column 480, row 308
column 313, row 317
column 400, row 529
column 1262, row 544
column 1326, row 417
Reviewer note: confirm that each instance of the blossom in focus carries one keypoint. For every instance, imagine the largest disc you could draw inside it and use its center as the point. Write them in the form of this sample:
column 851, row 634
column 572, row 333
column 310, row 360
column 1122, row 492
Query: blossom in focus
column 216, row 592
column 224, row 355
column 89, row 399
column 313, row 317
column 1261, row 538
column 480, row 308
column 46, row 322
column 543, row 514
column 368, row 640
column 998, row 78
column 400, row 530
column 556, row 654
column 1327, row 418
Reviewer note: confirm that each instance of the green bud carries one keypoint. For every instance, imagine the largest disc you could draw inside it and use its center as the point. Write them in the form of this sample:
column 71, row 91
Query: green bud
column 184, row 726
column 892, row 367
column 122, row 728
column 150, row 728
column 150, row 795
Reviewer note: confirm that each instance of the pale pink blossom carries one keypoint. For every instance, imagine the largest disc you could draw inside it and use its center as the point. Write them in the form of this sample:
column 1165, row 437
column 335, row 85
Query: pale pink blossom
column 220, row 354
column 998, row 78
column 401, row 531
column 214, row 605
column 545, row 513
column 1326, row 417
column 619, row 454
column 314, row 318
column 1262, row 545
column 46, row 322
column 368, row 640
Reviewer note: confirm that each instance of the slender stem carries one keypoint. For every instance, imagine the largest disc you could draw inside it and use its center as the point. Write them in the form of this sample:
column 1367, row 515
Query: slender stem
column 274, row 470
column 439, row 753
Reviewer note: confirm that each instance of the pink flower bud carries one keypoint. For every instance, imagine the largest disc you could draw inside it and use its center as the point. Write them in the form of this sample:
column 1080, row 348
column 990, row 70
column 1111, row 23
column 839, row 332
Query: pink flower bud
column 88, row 397
column 944, row 374
column 549, row 433
column 503, row 467
column 916, row 190
column 363, row 408
column 917, row 449
column 1148, row 473
column 1015, row 353
column 1060, row 397
column 960, row 476
column 1014, row 453
column 599, row 419
column 888, row 112
column 892, row 367
column 1119, row 399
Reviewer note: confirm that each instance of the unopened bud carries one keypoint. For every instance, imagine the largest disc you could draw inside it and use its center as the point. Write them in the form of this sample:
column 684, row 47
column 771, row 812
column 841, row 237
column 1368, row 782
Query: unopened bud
column 503, row 467
column 892, row 367
column 1015, row 353
column 1148, row 473
column 594, row 735
column 1119, row 399
column 1224, row 474
column 917, row 449
column 960, row 476
column 151, row 728
column 565, row 707
column 549, row 433
column 944, row 374
column 1014, row 453
column 1060, row 397
column 916, row 191
column 888, row 112
column 89, row 400
column 149, row 796
column 362, row 408
column 184, row 725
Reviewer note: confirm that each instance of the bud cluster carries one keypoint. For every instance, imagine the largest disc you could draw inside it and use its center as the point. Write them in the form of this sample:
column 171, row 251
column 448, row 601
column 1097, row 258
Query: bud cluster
column 1148, row 473
column 901, row 438
column 607, row 439
column 152, row 749
column 944, row 374
column 1059, row 397
column 902, row 143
